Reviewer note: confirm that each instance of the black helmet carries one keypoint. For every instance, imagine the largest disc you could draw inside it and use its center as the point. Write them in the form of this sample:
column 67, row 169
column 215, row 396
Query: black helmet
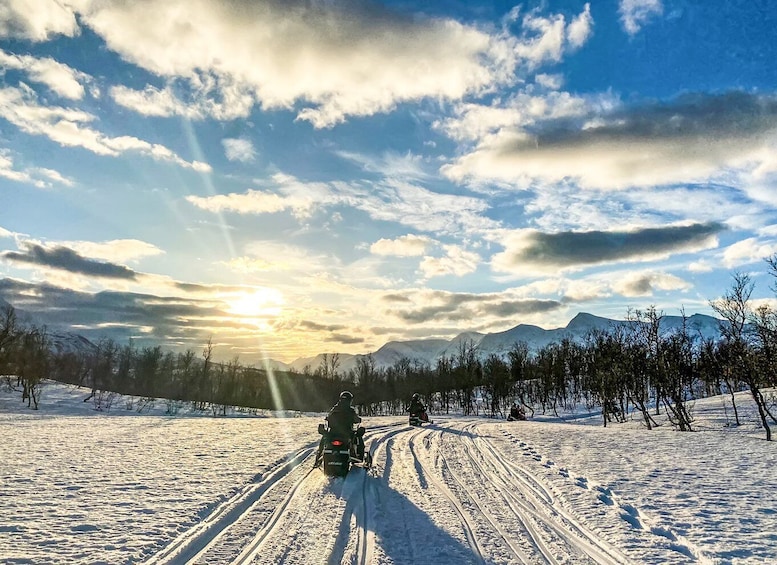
column 415, row 396
column 346, row 395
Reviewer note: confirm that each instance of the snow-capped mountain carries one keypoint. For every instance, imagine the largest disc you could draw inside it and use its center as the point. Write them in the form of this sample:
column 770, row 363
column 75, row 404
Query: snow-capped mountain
column 429, row 351
column 60, row 341
column 500, row 343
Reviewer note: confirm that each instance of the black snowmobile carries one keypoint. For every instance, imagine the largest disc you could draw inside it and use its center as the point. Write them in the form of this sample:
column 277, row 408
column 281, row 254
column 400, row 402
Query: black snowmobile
column 341, row 452
column 418, row 418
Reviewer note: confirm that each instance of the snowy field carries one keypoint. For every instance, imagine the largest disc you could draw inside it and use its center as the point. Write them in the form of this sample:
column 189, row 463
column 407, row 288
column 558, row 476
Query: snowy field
column 78, row 486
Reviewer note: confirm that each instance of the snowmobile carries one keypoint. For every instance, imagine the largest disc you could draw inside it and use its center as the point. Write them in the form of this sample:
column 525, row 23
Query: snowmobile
column 341, row 453
column 517, row 414
column 418, row 418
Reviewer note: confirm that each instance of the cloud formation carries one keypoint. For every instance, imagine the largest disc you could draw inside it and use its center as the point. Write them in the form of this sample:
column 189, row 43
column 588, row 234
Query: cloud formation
column 68, row 127
column 239, row 149
column 545, row 39
column 646, row 283
column 404, row 246
column 390, row 200
column 457, row 262
column 36, row 20
column 66, row 259
column 60, row 78
column 687, row 140
column 436, row 306
column 636, row 13
column 335, row 59
column 531, row 252
column 340, row 58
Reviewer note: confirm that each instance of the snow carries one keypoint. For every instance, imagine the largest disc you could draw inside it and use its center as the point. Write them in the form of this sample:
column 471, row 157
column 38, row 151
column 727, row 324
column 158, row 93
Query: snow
column 80, row 486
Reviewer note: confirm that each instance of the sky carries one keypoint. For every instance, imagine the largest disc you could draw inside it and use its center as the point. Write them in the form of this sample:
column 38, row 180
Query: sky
column 289, row 178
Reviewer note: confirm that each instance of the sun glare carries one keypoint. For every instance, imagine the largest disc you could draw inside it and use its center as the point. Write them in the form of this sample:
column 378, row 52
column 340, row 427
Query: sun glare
column 258, row 304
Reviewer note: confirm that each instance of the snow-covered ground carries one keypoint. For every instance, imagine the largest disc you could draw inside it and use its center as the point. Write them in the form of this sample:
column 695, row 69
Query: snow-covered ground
column 78, row 486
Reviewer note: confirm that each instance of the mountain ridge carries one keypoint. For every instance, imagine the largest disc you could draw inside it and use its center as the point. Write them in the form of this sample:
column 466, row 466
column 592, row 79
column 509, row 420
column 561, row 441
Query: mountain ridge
column 499, row 343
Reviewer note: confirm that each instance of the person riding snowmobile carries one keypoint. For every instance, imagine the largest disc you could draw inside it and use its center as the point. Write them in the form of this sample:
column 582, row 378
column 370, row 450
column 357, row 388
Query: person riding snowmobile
column 417, row 408
column 341, row 418
column 516, row 413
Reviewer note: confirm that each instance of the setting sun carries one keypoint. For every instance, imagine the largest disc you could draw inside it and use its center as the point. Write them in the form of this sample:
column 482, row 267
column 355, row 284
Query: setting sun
column 257, row 303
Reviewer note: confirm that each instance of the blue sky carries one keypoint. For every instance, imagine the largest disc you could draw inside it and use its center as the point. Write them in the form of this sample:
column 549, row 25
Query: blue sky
column 291, row 178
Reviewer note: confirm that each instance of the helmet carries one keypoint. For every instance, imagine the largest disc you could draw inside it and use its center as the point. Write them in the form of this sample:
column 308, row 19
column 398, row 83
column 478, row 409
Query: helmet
column 347, row 396
column 415, row 396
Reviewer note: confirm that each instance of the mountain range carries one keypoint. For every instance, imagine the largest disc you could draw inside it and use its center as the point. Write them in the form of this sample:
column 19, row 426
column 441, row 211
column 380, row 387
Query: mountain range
column 499, row 343
column 428, row 351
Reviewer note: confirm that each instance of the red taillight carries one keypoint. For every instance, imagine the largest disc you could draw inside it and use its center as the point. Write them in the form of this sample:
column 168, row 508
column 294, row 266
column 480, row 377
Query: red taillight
column 337, row 442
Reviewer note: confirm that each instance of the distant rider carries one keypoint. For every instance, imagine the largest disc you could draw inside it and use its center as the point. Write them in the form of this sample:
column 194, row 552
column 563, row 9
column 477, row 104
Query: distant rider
column 417, row 408
column 342, row 418
column 516, row 413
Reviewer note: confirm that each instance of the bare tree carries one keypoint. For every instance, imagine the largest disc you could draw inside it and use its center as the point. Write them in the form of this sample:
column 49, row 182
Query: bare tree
column 735, row 308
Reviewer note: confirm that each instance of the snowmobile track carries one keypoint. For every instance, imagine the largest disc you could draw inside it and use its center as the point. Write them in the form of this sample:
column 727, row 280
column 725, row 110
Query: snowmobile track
column 197, row 540
column 451, row 478
column 466, row 522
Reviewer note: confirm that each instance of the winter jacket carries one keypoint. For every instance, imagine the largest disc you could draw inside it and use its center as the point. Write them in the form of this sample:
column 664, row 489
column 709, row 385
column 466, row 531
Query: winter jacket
column 416, row 407
column 342, row 418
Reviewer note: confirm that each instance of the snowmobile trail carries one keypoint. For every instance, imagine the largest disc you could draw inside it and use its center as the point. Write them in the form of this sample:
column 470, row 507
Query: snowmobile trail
column 442, row 493
column 193, row 543
column 427, row 471
column 547, row 524
column 288, row 514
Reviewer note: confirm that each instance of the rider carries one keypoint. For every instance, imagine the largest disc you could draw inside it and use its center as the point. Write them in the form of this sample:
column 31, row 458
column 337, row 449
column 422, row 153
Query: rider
column 516, row 413
column 417, row 407
column 341, row 418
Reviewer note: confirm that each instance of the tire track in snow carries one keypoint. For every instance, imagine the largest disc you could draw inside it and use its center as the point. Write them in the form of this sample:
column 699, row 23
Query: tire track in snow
column 629, row 513
column 203, row 535
column 537, row 504
column 250, row 552
column 360, row 507
column 519, row 554
column 523, row 509
column 466, row 521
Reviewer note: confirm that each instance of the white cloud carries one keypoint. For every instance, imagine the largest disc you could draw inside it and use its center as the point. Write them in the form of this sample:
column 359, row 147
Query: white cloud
column 419, row 208
column 747, row 251
column 37, row 176
column 52, row 175
column 407, row 166
column 60, row 78
column 8, row 171
column 404, row 246
column 636, row 13
column 545, row 39
column 647, row 282
column 116, row 250
column 253, row 202
column 287, row 193
column 36, row 20
column 337, row 60
column 549, row 81
column 700, row 266
column 239, row 149
column 389, row 200
column 688, row 141
column 457, row 262
column 220, row 99
column 68, row 128
column 581, row 28
column 478, row 122
column 583, row 290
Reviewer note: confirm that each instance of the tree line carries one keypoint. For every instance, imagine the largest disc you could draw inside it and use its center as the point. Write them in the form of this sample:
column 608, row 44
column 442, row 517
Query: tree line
column 630, row 369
